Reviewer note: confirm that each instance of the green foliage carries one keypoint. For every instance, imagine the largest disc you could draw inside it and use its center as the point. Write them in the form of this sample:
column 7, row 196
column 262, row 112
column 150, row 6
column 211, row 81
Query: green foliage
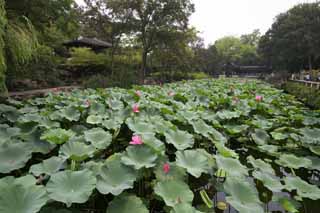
column 310, row 96
column 3, row 66
column 293, row 40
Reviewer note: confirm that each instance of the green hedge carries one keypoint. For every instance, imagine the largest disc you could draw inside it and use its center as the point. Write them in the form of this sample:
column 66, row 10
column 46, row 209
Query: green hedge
column 310, row 96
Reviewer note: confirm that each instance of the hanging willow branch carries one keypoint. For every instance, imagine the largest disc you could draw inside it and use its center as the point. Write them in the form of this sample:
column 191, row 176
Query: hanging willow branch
column 21, row 42
column 3, row 23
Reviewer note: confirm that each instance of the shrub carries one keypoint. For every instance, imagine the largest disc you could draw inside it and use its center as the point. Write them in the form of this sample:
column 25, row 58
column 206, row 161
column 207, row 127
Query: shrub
column 310, row 96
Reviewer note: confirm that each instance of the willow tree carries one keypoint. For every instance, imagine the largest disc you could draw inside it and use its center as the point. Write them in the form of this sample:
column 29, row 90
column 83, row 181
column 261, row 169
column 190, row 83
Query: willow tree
column 18, row 42
column 3, row 22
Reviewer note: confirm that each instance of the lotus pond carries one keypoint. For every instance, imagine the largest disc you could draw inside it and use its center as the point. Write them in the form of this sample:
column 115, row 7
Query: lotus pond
column 196, row 146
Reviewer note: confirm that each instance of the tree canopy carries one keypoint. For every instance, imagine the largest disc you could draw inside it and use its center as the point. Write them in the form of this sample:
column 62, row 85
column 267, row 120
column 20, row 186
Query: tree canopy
column 293, row 41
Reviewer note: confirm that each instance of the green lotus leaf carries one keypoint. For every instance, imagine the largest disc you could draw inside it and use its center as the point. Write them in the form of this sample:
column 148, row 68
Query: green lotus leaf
column 260, row 137
column 49, row 166
column 114, row 178
column 127, row 204
column 6, row 133
column 71, row 113
column 271, row 149
column 242, row 196
column 14, row 156
column 180, row 139
column 139, row 157
column 40, row 146
column 194, row 161
column 153, row 142
column 236, row 129
column 303, row 188
column 111, row 124
column 315, row 162
column 94, row 119
column 260, row 165
column 139, row 126
column 57, row 136
column 232, row 166
column 77, row 151
column 287, row 204
column 201, row 128
column 71, row 186
column 270, row 181
column 310, row 136
column 116, row 104
column 174, row 192
column 97, row 108
column 183, row 208
column 279, row 136
column 225, row 151
column 291, row 161
column 21, row 196
column 99, row 138
column 262, row 123
column 309, row 121
column 227, row 115
column 315, row 149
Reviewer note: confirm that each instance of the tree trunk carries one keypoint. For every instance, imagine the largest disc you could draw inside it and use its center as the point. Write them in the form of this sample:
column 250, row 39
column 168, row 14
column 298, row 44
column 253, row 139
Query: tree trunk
column 144, row 66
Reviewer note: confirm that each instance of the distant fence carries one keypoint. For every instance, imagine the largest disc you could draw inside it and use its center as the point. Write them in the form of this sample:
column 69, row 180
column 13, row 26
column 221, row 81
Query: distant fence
column 41, row 92
column 311, row 84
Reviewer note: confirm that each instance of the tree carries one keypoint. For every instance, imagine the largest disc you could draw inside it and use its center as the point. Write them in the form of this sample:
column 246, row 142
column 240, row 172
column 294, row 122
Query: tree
column 233, row 50
column 152, row 18
column 293, row 42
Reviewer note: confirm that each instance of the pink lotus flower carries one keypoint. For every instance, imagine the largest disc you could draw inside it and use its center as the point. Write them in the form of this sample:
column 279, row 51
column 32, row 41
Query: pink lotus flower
column 259, row 98
column 87, row 103
column 136, row 140
column 138, row 93
column 135, row 108
column 235, row 100
column 166, row 168
column 171, row 93
column 55, row 89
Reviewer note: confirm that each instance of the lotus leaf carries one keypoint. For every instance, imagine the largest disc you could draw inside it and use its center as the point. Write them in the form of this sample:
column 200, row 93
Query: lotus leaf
column 291, row 161
column 99, row 138
column 233, row 167
column 260, row 165
column 270, row 181
column 114, row 178
column 139, row 157
column 194, row 161
column 49, row 166
column 127, row 204
column 310, row 136
column 201, row 128
column 77, row 151
column 180, row 139
column 260, row 136
column 71, row 113
column 18, row 197
column 140, row 127
column 315, row 150
column 57, row 136
column 303, row 188
column 243, row 196
column 94, row 119
column 71, row 186
column 14, row 156
column 183, row 208
column 174, row 192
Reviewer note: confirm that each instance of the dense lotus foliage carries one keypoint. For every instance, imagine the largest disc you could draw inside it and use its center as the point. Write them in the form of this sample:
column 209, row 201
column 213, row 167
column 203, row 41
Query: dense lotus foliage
column 159, row 149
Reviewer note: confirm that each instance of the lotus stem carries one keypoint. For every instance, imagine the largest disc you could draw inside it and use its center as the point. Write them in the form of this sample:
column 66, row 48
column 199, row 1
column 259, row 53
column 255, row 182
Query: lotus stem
column 73, row 165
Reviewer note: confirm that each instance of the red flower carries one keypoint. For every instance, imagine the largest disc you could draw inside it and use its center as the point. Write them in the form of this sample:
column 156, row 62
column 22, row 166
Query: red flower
column 135, row 108
column 166, row 168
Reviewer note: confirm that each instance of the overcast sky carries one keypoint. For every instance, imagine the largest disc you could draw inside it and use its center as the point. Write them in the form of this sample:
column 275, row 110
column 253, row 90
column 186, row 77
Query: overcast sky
column 218, row 18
